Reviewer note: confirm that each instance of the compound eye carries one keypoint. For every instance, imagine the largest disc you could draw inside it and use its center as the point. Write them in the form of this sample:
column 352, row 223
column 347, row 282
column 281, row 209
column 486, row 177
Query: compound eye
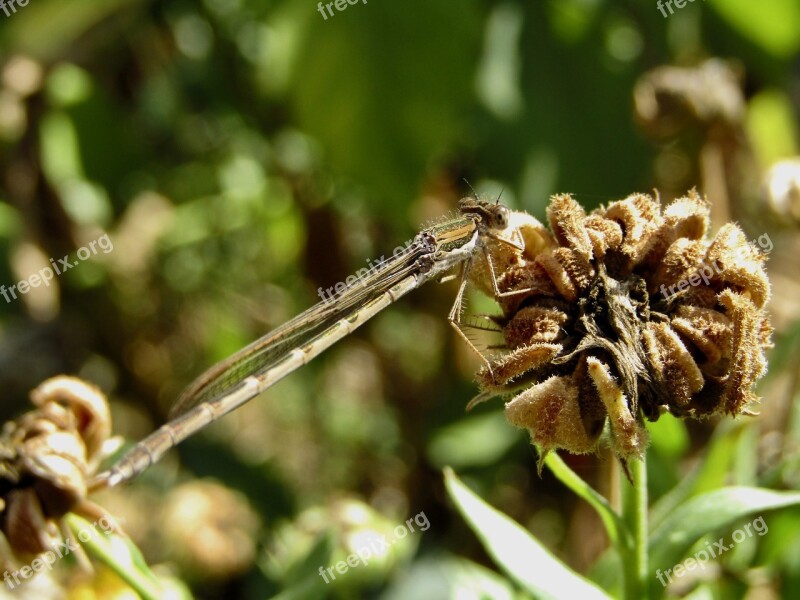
column 501, row 217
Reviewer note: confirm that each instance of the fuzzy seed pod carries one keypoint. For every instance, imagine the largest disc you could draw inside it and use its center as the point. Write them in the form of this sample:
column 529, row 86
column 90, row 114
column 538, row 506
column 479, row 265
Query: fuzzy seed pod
column 625, row 314
column 46, row 457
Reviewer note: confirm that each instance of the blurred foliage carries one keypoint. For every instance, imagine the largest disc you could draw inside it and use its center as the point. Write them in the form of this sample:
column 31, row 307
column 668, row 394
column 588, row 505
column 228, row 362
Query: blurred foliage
column 243, row 153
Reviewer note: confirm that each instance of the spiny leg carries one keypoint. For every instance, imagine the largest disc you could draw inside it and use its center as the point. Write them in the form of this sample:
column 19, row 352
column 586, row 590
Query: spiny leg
column 455, row 312
column 492, row 273
column 454, row 318
column 509, row 367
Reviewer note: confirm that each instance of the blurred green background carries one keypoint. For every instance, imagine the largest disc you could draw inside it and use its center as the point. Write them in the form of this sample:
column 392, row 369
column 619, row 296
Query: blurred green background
column 241, row 154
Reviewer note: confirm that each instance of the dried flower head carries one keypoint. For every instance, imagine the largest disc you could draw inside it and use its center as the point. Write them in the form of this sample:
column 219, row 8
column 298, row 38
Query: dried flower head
column 45, row 459
column 668, row 99
column 210, row 530
column 622, row 314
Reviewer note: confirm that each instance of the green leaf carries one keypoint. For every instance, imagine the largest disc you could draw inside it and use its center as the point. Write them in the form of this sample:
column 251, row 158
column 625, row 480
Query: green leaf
column 774, row 25
column 707, row 513
column 310, row 589
column 47, row 29
column 770, row 123
column 669, row 436
column 617, row 532
column 382, row 118
column 319, row 554
column 121, row 556
column 515, row 550
column 473, row 441
column 608, row 572
column 709, row 475
column 445, row 576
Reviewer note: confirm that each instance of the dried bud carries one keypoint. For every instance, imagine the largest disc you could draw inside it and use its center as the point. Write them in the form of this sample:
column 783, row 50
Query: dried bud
column 668, row 99
column 627, row 313
column 211, row 528
column 45, row 459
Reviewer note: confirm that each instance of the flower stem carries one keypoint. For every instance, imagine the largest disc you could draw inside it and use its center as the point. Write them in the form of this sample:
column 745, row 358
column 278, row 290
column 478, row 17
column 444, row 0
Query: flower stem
column 634, row 514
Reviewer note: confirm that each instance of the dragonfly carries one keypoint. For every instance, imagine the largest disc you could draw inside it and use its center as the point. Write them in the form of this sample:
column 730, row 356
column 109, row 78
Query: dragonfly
column 432, row 255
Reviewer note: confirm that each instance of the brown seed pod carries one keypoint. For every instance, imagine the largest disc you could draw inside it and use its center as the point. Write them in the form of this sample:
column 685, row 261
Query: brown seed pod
column 45, row 458
column 210, row 530
column 668, row 99
column 627, row 313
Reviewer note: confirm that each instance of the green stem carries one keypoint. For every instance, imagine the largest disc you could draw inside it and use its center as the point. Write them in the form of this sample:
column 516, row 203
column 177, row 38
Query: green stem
column 634, row 514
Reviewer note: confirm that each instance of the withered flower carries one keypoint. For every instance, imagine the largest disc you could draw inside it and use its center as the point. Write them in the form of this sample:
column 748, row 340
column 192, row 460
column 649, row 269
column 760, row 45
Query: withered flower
column 210, row 530
column 624, row 314
column 668, row 99
column 45, row 459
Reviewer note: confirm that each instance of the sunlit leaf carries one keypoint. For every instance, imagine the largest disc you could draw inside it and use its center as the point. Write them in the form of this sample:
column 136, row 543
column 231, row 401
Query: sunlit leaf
column 770, row 123
column 450, row 577
column 120, row 555
column 515, row 550
column 616, row 530
column 774, row 25
column 707, row 513
column 669, row 436
column 710, row 474
column 473, row 441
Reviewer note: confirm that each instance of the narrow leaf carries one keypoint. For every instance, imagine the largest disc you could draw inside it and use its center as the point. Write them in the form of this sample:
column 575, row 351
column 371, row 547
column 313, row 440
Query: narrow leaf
column 709, row 475
column 617, row 532
column 515, row 550
column 121, row 556
column 707, row 513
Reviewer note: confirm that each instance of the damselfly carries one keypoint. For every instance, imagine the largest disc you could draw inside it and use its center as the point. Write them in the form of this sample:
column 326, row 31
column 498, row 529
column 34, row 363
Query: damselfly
column 229, row 384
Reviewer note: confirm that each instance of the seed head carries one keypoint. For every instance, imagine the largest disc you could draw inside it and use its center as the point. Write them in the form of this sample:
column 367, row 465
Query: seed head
column 46, row 457
column 624, row 314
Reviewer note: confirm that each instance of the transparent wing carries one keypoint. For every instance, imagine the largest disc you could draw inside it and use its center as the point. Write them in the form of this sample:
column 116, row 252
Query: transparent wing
column 270, row 349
